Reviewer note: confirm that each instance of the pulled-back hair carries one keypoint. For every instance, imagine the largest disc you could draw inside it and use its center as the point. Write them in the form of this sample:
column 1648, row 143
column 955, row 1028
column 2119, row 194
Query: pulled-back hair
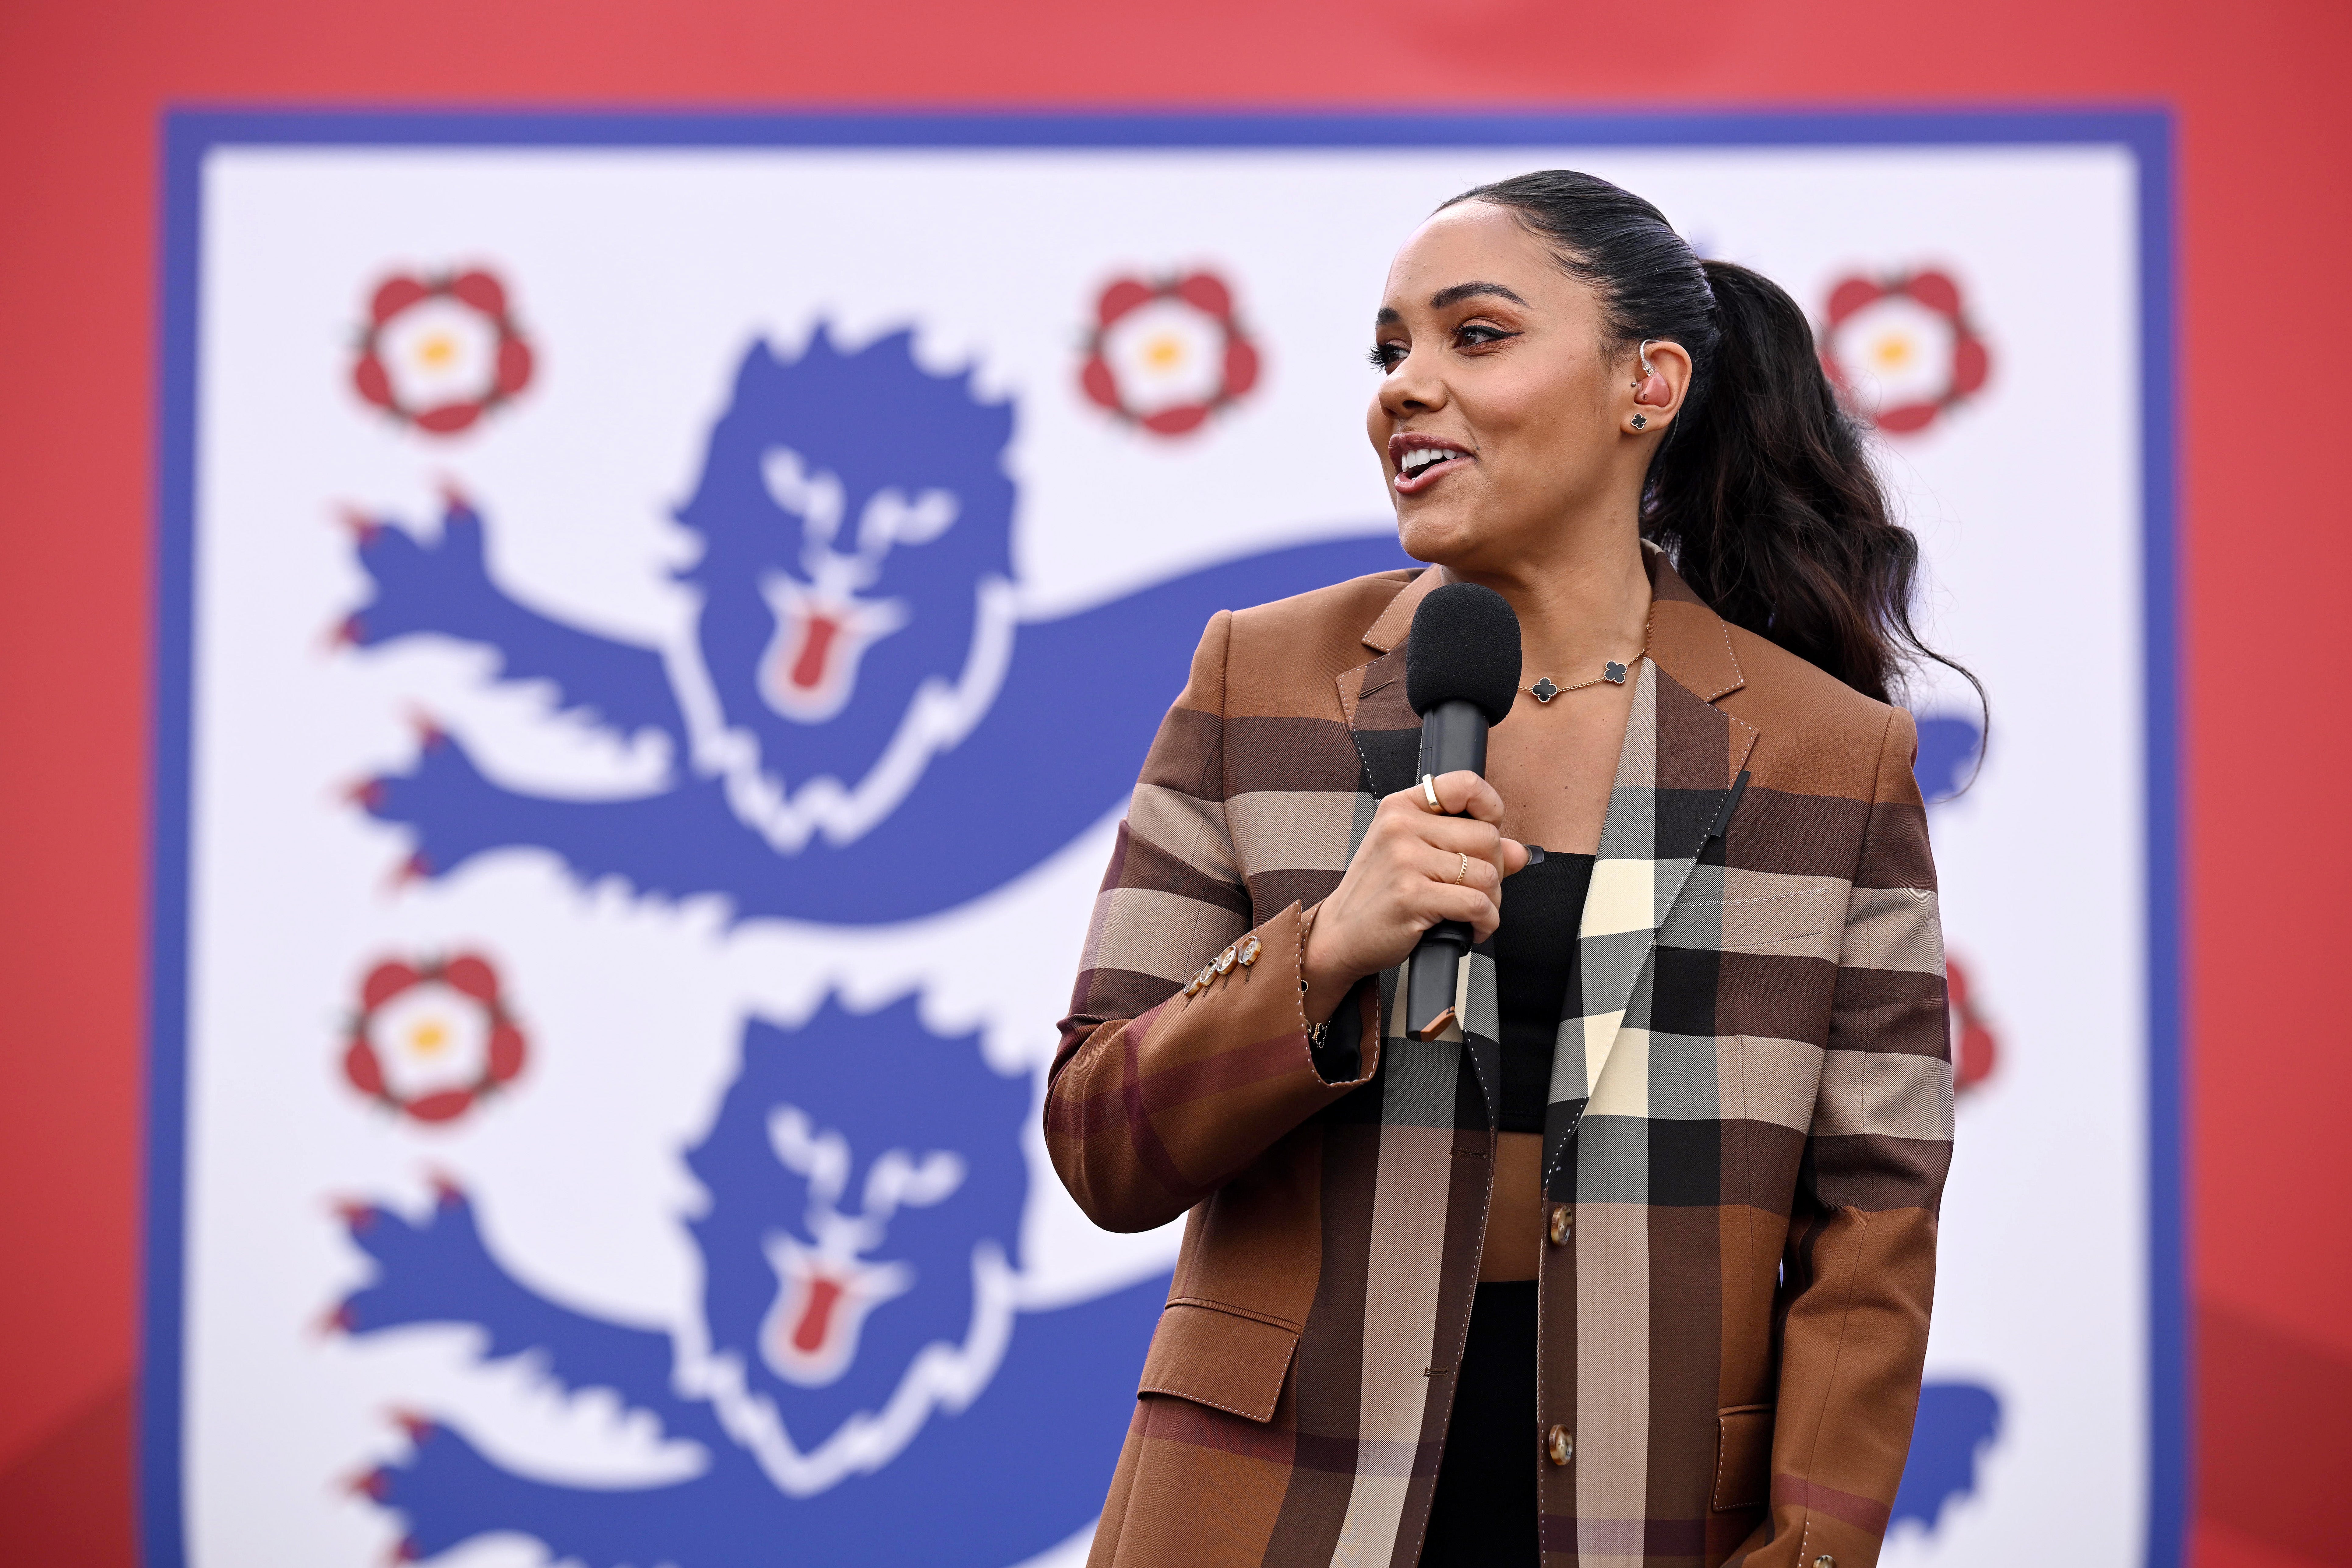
column 1761, row 492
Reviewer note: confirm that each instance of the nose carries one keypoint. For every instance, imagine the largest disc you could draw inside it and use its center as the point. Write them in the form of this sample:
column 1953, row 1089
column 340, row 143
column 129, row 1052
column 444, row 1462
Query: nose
column 1413, row 386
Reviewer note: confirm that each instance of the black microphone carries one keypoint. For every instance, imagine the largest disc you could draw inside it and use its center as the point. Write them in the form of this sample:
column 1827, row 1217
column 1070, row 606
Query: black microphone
column 1460, row 675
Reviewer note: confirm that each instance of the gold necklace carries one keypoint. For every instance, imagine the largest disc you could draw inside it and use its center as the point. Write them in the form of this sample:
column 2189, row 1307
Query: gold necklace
column 1614, row 671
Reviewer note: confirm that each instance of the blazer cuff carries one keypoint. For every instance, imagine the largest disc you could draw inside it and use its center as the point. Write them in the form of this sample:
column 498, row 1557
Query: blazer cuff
column 1264, row 972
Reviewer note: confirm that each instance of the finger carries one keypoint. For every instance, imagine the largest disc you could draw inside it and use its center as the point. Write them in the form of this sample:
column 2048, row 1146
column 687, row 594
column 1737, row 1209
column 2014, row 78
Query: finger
column 1467, row 795
column 1425, row 795
column 1411, row 801
column 1471, row 907
column 1467, row 834
column 1512, row 858
column 1458, row 794
column 1453, row 869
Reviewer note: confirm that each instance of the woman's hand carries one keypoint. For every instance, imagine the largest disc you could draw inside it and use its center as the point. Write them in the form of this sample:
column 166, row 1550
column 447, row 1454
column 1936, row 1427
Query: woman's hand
column 1408, row 874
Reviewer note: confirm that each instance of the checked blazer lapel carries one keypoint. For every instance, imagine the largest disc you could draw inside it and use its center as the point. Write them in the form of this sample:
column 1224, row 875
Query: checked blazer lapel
column 1676, row 778
column 1387, row 733
column 1429, row 1183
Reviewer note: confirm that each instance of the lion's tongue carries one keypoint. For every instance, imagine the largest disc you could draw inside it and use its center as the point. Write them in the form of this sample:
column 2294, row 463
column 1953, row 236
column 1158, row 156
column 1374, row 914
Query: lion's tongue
column 816, row 1315
column 817, row 635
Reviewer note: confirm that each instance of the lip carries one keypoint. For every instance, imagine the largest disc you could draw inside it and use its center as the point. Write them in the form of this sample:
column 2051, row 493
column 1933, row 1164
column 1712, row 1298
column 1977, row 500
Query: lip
column 1413, row 441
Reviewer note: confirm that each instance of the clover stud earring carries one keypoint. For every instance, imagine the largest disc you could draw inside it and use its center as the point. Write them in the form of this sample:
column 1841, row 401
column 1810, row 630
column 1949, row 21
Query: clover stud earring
column 1641, row 422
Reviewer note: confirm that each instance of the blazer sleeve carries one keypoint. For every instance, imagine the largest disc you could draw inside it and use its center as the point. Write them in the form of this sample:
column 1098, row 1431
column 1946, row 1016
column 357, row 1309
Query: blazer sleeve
column 1161, row 1090
column 1859, row 1273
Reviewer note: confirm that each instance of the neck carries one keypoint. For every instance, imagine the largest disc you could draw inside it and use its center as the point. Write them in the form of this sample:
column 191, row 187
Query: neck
column 1580, row 604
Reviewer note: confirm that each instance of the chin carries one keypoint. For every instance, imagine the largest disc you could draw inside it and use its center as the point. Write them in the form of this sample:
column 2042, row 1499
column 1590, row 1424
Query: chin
column 1437, row 535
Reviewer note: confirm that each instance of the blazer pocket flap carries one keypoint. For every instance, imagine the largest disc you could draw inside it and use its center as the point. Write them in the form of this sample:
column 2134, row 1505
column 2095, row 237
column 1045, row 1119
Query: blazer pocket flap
column 1743, row 1459
column 1795, row 922
column 1219, row 1358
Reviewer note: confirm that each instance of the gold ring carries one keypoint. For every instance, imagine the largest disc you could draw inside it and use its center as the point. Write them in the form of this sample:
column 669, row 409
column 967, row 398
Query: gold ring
column 1465, row 872
column 1429, row 793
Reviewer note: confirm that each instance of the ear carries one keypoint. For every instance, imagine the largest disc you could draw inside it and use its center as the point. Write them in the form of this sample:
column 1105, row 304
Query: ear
column 1659, row 378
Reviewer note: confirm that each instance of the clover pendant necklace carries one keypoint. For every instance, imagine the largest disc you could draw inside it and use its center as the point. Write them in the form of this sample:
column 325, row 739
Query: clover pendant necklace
column 1613, row 670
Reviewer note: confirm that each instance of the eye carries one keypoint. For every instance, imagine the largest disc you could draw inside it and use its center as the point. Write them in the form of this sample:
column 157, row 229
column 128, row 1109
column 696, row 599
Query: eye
column 812, row 495
column 898, row 1181
column 1386, row 357
column 1480, row 335
column 890, row 518
column 818, row 1158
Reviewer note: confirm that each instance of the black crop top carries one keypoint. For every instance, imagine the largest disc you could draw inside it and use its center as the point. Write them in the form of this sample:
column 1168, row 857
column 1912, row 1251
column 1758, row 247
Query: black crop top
column 1535, row 954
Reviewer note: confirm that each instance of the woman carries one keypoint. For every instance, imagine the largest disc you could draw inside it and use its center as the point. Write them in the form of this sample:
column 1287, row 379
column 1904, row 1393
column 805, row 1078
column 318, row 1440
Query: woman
column 1634, row 1268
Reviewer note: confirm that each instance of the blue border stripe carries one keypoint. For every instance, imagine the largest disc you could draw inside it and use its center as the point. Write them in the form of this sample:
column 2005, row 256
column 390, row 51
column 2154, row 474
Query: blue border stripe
column 1111, row 132
column 191, row 133
column 161, row 1324
column 2170, row 1346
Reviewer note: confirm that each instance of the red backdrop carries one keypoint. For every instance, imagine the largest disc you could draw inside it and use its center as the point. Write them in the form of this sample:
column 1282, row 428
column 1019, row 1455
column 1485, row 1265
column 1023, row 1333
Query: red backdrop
column 2266, row 204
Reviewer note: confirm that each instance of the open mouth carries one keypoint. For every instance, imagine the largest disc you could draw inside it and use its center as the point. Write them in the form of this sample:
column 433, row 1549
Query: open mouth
column 1421, row 463
column 810, row 665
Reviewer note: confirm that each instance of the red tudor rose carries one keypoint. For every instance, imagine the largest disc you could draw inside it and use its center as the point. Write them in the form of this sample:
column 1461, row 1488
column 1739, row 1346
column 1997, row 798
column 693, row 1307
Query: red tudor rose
column 1166, row 355
column 432, row 1039
column 439, row 353
column 1902, row 349
column 1975, row 1051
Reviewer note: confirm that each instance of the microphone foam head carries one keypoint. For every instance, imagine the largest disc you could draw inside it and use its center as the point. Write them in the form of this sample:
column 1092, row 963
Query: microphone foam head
column 1465, row 648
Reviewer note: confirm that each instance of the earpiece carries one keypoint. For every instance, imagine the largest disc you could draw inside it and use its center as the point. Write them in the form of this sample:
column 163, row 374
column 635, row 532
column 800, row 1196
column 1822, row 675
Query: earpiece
column 1652, row 388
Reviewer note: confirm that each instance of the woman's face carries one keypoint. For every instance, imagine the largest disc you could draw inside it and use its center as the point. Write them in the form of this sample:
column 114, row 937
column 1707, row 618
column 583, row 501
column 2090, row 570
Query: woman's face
column 1492, row 359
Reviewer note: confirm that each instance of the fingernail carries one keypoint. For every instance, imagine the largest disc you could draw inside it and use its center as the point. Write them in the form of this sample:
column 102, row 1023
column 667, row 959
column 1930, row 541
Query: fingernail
column 1535, row 854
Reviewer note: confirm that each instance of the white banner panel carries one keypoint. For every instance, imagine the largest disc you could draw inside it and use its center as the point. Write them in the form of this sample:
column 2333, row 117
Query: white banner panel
column 664, row 617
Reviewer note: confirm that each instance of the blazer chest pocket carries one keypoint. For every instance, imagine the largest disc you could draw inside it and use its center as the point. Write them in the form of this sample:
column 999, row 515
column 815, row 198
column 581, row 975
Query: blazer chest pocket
column 1220, row 1357
column 1743, row 1459
column 1795, row 925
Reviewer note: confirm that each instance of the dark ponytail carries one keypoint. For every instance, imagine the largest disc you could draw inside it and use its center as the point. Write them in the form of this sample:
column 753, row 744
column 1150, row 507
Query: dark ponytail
column 1762, row 493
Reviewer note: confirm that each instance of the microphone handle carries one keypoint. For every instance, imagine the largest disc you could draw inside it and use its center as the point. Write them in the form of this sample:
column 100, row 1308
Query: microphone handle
column 1453, row 738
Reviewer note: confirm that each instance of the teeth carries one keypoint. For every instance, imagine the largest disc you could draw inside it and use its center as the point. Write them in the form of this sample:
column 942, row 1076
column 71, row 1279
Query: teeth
column 1421, row 457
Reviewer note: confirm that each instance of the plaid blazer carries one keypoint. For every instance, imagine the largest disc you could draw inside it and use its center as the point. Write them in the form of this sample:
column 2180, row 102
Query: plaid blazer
column 1748, row 1127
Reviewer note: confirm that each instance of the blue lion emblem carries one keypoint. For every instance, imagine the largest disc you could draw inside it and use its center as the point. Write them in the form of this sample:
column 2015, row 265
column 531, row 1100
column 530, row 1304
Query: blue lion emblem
column 860, row 655
column 864, row 725
column 866, row 1384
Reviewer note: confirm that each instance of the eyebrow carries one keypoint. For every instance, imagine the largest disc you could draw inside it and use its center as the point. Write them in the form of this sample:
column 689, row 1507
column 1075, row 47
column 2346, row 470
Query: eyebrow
column 1461, row 291
column 1454, row 296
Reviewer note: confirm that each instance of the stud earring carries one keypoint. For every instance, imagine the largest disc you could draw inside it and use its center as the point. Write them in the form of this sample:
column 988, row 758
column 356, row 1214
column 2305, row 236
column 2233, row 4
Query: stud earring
column 1641, row 422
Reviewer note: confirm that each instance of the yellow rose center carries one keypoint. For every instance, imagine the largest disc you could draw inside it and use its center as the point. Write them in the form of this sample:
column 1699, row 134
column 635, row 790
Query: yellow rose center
column 1163, row 351
column 428, row 1038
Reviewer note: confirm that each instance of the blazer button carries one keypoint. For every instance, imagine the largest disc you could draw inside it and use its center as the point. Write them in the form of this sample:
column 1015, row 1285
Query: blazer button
column 1825, row 1561
column 1560, row 1450
column 1560, row 1225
